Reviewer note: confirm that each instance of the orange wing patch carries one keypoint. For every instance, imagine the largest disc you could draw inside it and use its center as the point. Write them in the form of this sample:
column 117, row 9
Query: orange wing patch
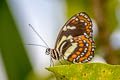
column 78, row 53
column 86, row 21
column 70, row 59
column 73, row 22
column 81, row 49
column 81, row 59
column 89, row 49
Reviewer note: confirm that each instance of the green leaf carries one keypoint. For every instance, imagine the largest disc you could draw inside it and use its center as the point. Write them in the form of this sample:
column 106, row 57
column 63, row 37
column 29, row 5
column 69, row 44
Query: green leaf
column 87, row 71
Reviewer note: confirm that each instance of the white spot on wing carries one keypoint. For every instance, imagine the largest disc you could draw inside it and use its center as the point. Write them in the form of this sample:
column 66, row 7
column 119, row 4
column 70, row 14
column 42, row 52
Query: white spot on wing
column 85, row 60
column 91, row 34
column 87, row 44
column 74, row 61
column 79, row 38
column 93, row 49
column 86, row 16
column 85, row 49
column 90, row 27
column 84, row 41
column 77, row 14
column 93, row 44
column 71, row 40
column 90, row 23
column 87, row 36
column 90, row 39
column 71, row 28
column 82, row 53
column 90, row 56
column 77, row 57
column 85, row 24
column 76, row 19
column 81, row 20
column 82, row 14
column 88, row 19
column 64, row 28
column 85, row 33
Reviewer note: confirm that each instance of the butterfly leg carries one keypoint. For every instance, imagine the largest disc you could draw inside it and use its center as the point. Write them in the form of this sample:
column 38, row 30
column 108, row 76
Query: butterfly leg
column 51, row 62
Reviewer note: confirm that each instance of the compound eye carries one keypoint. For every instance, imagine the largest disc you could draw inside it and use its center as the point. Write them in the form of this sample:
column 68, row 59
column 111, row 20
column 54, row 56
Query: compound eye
column 47, row 51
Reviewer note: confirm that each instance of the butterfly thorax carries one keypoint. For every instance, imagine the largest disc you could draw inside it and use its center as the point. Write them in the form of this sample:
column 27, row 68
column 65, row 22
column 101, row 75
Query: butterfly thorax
column 53, row 53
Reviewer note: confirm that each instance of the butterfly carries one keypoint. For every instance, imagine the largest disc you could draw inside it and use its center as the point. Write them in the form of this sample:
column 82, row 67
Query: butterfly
column 75, row 41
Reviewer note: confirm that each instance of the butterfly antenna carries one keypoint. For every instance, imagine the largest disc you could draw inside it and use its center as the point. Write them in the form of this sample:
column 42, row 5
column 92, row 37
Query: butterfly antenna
column 37, row 45
column 38, row 35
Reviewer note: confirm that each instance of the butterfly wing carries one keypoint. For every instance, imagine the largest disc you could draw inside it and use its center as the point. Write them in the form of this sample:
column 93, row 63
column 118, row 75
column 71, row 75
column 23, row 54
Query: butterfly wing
column 78, row 49
column 78, row 25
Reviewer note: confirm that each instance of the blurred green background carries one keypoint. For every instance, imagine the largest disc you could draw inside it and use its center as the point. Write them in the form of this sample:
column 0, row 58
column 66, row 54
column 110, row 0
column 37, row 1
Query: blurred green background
column 14, row 56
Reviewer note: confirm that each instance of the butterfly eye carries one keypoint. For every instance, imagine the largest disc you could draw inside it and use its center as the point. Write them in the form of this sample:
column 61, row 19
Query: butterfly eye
column 47, row 51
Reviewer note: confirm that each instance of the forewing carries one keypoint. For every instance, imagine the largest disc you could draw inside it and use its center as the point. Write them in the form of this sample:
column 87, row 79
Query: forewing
column 79, row 24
